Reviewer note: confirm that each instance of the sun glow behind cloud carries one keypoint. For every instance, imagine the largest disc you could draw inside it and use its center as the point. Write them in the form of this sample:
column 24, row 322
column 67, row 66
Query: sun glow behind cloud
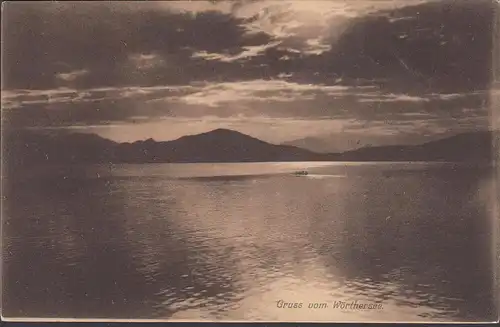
column 272, row 110
column 215, row 94
column 313, row 24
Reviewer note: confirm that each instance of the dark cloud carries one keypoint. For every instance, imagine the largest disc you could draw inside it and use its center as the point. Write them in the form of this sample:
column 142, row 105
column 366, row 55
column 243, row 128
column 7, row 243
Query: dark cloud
column 440, row 46
column 43, row 40
column 445, row 45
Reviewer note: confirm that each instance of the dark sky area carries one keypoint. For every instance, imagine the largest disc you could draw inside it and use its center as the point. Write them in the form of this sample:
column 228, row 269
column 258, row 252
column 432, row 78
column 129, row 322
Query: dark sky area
column 377, row 71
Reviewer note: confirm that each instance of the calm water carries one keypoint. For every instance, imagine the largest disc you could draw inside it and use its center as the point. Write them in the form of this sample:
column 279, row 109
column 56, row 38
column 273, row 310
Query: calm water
column 183, row 241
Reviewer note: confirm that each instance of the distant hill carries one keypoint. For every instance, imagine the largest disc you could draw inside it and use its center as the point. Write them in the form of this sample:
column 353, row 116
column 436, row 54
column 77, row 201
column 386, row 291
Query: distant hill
column 342, row 142
column 28, row 148
column 321, row 144
column 33, row 147
column 467, row 147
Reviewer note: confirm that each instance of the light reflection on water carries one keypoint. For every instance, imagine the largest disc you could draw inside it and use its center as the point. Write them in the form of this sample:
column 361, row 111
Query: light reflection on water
column 141, row 241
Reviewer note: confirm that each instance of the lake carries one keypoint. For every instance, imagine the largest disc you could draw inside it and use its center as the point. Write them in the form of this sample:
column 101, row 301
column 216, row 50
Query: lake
column 250, row 241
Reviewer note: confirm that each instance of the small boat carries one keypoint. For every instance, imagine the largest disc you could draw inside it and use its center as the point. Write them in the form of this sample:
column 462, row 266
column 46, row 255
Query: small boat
column 301, row 173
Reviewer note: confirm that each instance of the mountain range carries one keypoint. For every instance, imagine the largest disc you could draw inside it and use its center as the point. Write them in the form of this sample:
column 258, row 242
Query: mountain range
column 26, row 148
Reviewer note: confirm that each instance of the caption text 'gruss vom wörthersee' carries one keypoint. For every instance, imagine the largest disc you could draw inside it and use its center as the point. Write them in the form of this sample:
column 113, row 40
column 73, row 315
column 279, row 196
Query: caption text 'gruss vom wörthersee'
column 342, row 305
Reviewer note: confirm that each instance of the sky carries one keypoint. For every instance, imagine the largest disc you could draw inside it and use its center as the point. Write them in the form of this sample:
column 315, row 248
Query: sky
column 384, row 71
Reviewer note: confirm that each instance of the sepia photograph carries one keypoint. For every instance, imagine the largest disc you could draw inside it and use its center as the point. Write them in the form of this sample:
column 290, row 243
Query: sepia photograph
column 250, row 161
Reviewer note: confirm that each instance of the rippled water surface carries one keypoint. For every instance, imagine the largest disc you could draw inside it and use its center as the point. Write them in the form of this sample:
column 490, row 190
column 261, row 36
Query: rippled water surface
column 228, row 241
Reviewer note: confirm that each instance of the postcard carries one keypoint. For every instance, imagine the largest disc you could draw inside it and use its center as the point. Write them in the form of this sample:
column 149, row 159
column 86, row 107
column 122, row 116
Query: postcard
column 250, row 161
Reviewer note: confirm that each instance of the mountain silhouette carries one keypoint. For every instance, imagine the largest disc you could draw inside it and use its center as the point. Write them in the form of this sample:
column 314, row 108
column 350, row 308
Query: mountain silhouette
column 220, row 145
column 29, row 147
column 32, row 147
column 24, row 148
column 466, row 147
column 342, row 142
